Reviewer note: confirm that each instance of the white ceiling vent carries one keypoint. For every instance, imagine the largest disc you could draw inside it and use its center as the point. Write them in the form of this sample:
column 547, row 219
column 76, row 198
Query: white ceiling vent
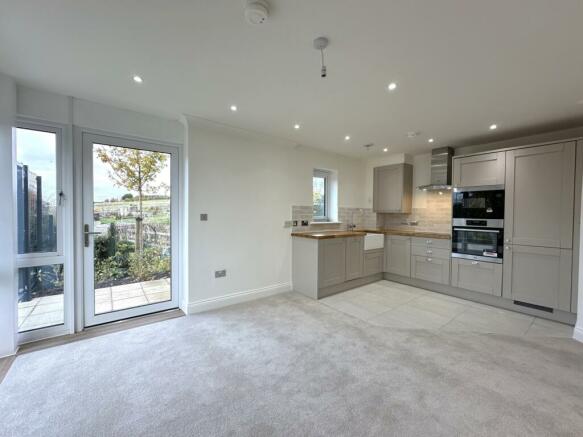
column 256, row 11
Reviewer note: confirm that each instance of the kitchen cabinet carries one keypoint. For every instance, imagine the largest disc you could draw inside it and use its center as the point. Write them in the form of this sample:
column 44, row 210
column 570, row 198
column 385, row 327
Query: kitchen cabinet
column 479, row 170
column 483, row 277
column 331, row 262
column 374, row 262
column 540, row 183
column 538, row 275
column 354, row 257
column 430, row 269
column 393, row 188
column 398, row 255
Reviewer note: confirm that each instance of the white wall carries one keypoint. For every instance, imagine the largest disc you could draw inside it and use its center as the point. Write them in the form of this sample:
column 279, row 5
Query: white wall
column 247, row 183
column 8, row 246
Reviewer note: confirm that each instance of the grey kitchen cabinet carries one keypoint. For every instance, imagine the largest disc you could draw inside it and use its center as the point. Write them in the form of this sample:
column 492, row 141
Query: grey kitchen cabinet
column 538, row 275
column 354, row 257
column 393, row 188
column 331, row 262
column 479, row 170
column 539, row 200
column 483, row 277
column 437, row 243
column 374, row 261
column 398, row 255
column 430, row 269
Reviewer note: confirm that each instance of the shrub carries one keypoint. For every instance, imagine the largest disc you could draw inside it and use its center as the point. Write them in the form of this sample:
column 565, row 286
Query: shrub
column 149, row 264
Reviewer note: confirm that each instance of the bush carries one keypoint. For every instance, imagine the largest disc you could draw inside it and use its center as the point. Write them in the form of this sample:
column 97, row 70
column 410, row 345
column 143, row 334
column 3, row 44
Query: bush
column 150, row 264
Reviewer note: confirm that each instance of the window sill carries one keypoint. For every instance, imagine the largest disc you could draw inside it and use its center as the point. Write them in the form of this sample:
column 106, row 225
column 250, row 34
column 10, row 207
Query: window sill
column 325, row 223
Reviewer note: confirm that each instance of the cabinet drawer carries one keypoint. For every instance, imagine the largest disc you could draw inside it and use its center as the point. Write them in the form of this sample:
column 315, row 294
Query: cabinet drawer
column 430, row 269
column 478, row 276
column 430, row 251
column 438, row 243
column 373, row 262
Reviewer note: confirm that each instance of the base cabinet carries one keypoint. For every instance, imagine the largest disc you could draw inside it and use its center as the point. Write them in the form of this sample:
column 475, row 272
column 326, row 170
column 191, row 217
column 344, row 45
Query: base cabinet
column 331, row 262
column 398, row 255
column 354, row 257
column 538, row 275
column 373, row 262
column 430, row 269
column 477, row 276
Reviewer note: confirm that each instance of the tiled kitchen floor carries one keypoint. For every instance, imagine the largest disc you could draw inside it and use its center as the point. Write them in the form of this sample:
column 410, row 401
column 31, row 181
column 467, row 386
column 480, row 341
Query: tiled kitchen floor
column 395, row 305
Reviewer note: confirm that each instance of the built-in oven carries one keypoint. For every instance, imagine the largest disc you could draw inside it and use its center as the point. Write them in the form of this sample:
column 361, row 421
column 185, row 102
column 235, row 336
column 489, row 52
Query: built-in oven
column 480, row 240
column 479, row 203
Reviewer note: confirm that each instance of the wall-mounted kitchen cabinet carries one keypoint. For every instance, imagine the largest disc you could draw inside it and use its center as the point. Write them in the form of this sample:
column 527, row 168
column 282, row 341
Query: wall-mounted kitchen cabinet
column 538, row 275
column 483, row 277
column 479, row 170
column 540, row 184
column 398, row 255
column 393, row 188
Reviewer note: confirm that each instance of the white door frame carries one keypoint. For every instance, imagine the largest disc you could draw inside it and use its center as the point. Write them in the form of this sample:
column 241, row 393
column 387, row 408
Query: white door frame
column 85, row 214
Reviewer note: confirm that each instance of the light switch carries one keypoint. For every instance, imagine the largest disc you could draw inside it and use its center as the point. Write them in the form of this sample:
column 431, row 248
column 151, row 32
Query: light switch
column 204, row 217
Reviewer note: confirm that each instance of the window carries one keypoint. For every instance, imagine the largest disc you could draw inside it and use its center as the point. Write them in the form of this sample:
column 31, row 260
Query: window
column 40, row 258
column 320, row 195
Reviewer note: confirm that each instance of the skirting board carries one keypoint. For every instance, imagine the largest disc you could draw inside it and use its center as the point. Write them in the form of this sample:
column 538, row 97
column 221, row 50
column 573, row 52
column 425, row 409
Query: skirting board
column 240, row 297
column 578, row 333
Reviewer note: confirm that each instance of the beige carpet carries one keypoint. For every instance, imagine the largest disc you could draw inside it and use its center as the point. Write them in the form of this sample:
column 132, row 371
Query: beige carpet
column 289, row 366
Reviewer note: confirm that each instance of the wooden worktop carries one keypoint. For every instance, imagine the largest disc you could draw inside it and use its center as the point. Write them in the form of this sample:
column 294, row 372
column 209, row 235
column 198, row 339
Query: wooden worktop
column 407, row 232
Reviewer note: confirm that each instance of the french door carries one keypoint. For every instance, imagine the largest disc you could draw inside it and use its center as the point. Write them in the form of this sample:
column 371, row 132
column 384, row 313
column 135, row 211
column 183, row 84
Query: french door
column 129, row 229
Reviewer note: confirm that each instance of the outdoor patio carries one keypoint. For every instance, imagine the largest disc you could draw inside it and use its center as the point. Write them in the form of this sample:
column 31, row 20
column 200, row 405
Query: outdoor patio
column 48, row 310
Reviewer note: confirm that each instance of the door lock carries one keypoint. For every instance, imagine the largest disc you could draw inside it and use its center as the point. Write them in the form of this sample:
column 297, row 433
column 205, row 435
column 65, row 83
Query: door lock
column 86, row 234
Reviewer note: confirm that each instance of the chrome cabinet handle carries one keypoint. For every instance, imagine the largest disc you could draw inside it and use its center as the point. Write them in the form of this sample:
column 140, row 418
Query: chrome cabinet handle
column 428, row 241
column 507, row 240
column 507, row 248
column 475, row 263
column 429, row 251
column 429, row 260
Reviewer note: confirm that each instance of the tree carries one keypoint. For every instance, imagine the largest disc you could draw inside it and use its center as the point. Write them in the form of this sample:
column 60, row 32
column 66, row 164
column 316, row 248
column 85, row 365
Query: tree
column 136, row 170
column 127, row 196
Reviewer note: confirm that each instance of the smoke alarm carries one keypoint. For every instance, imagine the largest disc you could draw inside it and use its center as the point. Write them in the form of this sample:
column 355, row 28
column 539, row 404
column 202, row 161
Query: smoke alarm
column 256, row 11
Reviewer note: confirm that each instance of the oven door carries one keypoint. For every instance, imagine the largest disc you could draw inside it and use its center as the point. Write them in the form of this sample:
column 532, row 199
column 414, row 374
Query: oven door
column 483, row 244
column 478, row 203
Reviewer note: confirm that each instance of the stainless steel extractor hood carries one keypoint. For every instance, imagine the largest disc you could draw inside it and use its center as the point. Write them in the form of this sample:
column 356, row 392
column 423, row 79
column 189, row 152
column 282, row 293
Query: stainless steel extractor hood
column 441, row 164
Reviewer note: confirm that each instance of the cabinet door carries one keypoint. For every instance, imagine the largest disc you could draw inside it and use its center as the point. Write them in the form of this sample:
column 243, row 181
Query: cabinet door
column 398, row 255
column 538, row 275
column 331, row 262
column 540, row 183
column 478, row 170
column 393, row 188
column 374, row 262
column 430, row 269
column 478, row 276
column 354, row 257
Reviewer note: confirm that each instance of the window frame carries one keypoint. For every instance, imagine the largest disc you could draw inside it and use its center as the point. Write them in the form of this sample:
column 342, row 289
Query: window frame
column 33, row 259
column 63, row 213
column 325, row 174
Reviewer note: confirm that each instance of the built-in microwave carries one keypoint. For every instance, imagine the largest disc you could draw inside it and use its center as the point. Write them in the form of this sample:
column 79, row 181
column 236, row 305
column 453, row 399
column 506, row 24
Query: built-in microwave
column 479, row 240
column 479, row 203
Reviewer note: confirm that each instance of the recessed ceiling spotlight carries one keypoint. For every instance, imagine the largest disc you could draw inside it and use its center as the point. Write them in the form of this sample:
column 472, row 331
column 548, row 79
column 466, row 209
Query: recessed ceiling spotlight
column 138, row 79
column 430, row 140
column 386, row 149
column 347, row 138
column 392, row 86
column 493, row 126
column 234, row 108
column 297, row 126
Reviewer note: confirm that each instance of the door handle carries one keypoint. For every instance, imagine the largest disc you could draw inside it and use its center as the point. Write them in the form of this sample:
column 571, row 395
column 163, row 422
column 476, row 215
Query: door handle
column 86, row 234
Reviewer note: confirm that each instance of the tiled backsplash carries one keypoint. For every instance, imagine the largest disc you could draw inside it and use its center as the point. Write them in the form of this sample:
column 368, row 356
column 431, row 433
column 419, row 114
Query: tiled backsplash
column 435, row 216
column 363, row 217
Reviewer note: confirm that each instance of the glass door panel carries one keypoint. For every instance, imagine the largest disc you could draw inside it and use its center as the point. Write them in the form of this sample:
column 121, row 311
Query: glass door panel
column 127, row 231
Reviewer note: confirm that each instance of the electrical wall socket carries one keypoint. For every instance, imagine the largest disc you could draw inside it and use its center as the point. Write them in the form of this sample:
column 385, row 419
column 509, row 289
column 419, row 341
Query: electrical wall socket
column 220, row 273
column 305, row 223
column 204, row 217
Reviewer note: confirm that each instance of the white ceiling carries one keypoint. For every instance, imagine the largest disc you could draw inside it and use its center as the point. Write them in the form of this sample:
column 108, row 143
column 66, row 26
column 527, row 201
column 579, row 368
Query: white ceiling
column 461, row 65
